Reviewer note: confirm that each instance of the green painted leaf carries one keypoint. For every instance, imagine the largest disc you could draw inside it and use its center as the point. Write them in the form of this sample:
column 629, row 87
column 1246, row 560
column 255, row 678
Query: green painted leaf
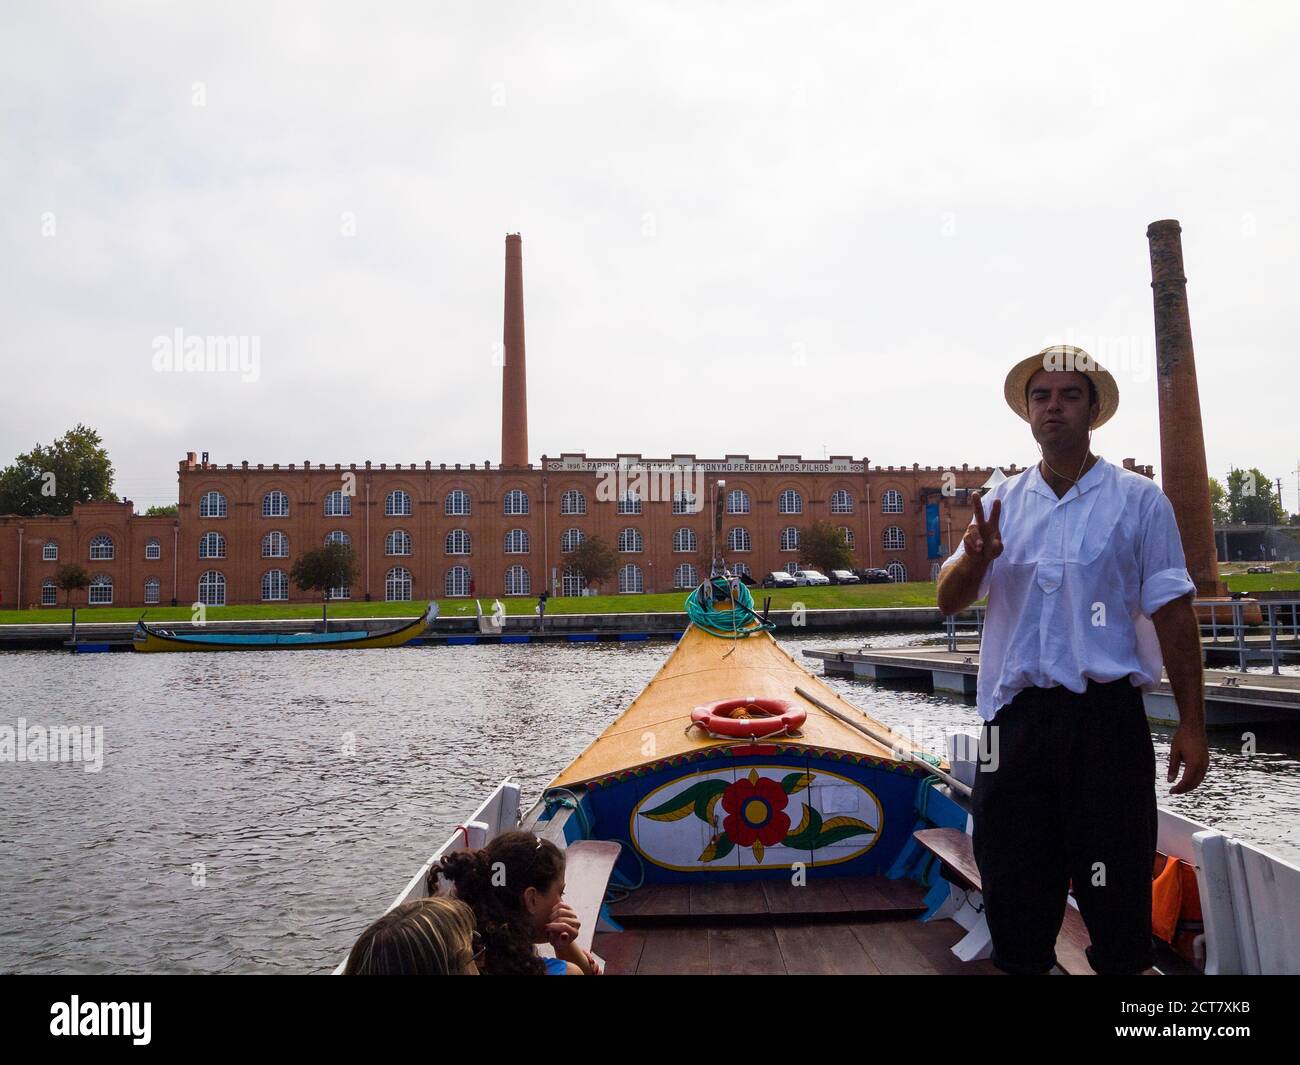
column 793, row 782
column 684, row 802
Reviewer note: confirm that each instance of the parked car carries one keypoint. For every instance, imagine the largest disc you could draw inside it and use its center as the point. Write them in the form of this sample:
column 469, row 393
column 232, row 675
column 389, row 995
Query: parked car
column 844, row 576
column 778, row 579
column 874, row 576
column 1259, row 569
column 806, row 577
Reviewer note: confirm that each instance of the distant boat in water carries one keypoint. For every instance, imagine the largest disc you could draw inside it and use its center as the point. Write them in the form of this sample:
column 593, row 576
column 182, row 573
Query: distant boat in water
column 151, row 640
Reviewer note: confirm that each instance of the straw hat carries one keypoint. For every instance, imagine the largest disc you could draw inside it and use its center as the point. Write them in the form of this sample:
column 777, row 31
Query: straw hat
column 1062, row 357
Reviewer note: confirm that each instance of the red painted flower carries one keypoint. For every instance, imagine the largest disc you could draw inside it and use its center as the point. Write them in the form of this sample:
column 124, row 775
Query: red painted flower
column 755, row 812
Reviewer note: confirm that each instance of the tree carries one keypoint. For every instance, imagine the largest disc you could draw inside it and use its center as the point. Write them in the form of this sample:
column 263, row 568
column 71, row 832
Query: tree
column 48, row 480
column 1251, row 499
column 172, row 510
column 72, row 577
column 1218, row 503
column 594, row 561
column 822, row 546
column 332, row 566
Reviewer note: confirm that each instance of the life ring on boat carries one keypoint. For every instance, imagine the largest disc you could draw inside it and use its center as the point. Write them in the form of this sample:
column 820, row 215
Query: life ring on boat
column 748, row 718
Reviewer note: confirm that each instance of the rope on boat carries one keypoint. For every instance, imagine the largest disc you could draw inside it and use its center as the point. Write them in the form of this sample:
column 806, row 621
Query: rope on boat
column 553, row 798
column 736, row 623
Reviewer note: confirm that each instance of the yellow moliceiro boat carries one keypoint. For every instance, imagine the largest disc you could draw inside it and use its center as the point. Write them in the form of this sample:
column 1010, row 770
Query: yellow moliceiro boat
column 829, row 845
column 150, row 640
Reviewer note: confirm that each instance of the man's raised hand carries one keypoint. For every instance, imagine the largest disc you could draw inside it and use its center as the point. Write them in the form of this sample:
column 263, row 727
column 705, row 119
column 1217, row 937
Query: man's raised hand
column 983, row 539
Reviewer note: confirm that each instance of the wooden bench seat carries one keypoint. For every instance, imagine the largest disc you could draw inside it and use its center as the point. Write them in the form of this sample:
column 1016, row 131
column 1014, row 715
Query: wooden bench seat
column 587, row 869
column 954, row 850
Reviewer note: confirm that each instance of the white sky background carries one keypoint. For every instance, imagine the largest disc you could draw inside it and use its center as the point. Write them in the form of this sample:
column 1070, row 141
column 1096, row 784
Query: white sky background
column 759, row 229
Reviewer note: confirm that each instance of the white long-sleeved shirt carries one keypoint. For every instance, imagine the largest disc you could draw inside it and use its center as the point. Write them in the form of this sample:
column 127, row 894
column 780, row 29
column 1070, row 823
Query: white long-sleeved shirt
column 1071, row 596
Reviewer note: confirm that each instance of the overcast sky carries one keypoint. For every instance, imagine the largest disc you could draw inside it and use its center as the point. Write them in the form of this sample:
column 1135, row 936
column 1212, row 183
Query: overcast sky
column 766, row 229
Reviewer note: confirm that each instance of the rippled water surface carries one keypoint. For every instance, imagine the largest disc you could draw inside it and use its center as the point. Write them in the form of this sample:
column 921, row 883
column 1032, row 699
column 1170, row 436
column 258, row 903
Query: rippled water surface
column 256, row 810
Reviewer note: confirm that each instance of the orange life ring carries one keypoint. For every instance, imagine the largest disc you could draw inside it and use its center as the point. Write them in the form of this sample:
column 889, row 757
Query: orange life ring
column 757, row 718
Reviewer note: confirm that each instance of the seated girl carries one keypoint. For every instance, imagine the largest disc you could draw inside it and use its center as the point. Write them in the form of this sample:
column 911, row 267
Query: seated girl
column 423, row 937
column 515, row 886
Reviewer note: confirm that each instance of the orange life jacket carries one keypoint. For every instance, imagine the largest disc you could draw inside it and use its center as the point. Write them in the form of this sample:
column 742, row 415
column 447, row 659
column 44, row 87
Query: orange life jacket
column 1176, row 906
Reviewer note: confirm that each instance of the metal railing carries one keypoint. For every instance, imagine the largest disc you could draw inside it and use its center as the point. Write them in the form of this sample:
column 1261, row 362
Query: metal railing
column 1226, row 628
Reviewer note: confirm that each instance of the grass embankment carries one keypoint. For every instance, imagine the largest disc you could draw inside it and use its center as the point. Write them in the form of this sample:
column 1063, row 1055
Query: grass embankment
column 911, row 594
column 826, row 597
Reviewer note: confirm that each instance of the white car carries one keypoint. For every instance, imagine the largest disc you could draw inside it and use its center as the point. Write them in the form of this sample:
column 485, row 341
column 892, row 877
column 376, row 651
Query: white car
column 778, row 579
column 810, row 576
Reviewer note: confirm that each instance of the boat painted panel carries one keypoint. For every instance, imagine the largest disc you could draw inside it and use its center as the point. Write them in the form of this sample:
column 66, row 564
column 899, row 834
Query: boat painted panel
column 742, row 817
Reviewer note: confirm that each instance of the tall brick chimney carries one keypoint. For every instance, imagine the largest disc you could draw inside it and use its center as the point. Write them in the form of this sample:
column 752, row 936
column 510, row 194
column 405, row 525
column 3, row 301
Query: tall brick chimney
column 1183, row 474
column 514, row 378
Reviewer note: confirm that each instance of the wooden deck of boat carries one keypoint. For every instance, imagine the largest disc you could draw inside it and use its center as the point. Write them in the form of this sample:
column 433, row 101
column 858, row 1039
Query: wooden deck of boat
column 850, row 926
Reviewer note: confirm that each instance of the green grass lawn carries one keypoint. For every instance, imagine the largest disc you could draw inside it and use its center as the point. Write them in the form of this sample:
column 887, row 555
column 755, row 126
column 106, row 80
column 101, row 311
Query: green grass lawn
column 911, row 594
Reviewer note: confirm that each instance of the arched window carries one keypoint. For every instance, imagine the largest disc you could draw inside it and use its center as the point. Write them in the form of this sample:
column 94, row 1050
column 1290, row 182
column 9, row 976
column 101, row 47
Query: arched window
column 792, row 568
column 516, row 501
column 738, row 539
column 737, row 501
column 516, row 542
column 897, row 571
column 458, row 542
column 212, row 545
column 684, row 576
column 212, row 588
column 847, row 533
column 684, row 503
column 790, row 502
column 685, row 540
column 456, row 504
column 152, row 591
column 101, row 590
column 212, row 505
column 737, row 568
column 891, row 502
column 630, row 540
column 456, row 582
column 152, row 550
column 275, row 504
column 894, row 538
column 101, row 548
column 275, row 545
column 49, row 593
column 338, row 536
column 397, row 585
column 573, row 502
column 50, row 552
column 572, row 584
column 342, row 591
column 841, row 502
column 275, row 586
column 337, row 504
column 571, row 540
column 397, row 542
column 397, row 504
column 629, row 503
column 790, row 538
column 518, row 581
column 630, row 581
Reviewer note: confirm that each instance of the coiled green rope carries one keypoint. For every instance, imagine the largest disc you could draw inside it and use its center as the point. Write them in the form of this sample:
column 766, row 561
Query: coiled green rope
column 738, row 622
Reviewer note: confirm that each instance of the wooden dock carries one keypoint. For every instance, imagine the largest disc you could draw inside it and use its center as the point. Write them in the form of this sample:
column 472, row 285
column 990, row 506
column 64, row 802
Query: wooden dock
column 1232, row 698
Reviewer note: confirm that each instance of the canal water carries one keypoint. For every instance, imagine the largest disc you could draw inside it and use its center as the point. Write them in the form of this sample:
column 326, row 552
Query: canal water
column 256, row 810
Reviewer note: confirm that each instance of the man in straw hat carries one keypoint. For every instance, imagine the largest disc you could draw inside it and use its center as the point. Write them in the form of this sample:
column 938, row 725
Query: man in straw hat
column 1087, row 591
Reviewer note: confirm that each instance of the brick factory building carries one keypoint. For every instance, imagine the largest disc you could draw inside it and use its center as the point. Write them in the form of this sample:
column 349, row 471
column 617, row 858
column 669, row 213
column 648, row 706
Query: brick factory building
column 433, row 531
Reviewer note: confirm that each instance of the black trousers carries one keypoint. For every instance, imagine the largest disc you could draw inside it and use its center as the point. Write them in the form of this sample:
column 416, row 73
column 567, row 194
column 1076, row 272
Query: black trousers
column 1072, row 797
